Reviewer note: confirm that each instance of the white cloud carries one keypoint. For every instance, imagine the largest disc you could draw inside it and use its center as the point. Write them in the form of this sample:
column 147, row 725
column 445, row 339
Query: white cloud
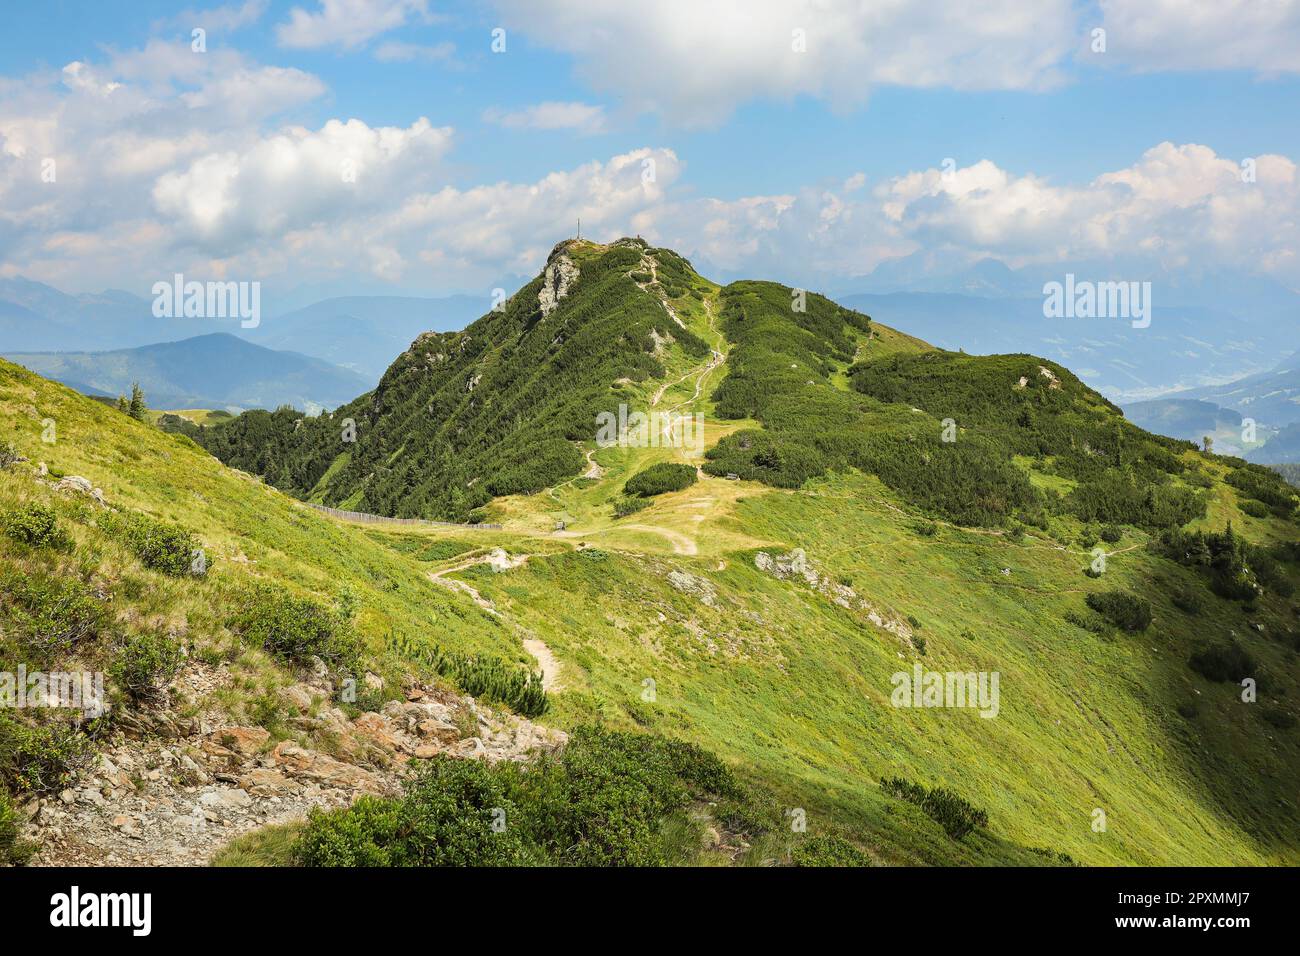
column 1255, row 35
column 171, row 161
column 1177, row 206
column 489, row 235
column 695, row 62
column 346, row 23
column 297, row 179
column 580, row 117
column 77, row 76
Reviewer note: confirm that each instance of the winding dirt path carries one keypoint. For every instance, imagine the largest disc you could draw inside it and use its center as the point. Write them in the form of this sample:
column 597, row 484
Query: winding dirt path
column 548, row 663
column 497, row 556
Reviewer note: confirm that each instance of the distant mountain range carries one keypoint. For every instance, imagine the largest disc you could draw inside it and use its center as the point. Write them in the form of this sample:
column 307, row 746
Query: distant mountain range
column 1222, row 328
column 1203, row 331
column 207, row 371
column 363, row 333
column 1184, row 346
column 1282, row 449
column 1271, row 399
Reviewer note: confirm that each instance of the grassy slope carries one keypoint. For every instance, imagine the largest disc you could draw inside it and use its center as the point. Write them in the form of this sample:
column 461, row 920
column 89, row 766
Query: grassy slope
column 236, row 516
column 798, row 688
column 777, row 678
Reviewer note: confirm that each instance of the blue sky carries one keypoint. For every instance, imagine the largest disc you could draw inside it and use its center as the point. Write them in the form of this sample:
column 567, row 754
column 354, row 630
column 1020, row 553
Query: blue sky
column 813, row 166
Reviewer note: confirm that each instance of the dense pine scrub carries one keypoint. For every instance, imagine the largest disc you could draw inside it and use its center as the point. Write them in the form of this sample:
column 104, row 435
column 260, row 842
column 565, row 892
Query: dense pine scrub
column 480, row 675
column 660, row 478
column 956, row 815
column 605, row 799
column 1002, row 406
column 461, row 417
column 781, row 374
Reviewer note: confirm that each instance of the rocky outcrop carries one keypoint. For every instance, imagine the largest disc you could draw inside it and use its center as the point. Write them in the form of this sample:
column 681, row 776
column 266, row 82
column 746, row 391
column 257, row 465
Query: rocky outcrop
column 690, row 584
column 81, row 486
column 796, row 565
column 176, row 799
column 560, row 275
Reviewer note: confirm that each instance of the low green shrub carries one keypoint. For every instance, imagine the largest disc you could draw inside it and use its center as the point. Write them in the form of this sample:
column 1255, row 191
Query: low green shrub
column 1121, row 609
column 159, row 545
column 1224, row 662
column 51, row 614
column 1189, row 601
column 625, row 506
column 294, row 628
column 145, row 664
column 1091, row 623
column 828, row 850
column 953, row 813
column 660, row 478
column 480, row 675
column 750, row 811
column 1111, row 534
column 1279, row 718
column 493, row 678
column 1256, row 509
column 454, row 813
column 14, row 850
column 40, row 758
column 1269, row 572
column 606, row 798
column 37, row 526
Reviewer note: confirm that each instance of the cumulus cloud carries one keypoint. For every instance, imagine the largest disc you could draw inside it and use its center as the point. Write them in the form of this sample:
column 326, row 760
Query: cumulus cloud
column 297, row 179
column 346, row 23
column 579, row 117
column 697, row 61
column 1177, row 206
column 108, row 127
column 169, row 161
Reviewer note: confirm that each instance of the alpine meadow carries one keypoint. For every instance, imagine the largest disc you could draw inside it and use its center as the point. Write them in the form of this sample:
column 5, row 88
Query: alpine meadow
column 800, row 497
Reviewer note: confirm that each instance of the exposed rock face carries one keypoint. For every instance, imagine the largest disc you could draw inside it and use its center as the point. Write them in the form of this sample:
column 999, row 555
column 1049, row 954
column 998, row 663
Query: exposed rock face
column 500, row 560
column 176, row 800
column 81, row 486
column 561, row 272
column 796, row 565
column 690, row 584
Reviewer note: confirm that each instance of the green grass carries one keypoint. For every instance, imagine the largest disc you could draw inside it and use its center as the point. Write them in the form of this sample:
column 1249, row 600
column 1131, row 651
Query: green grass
column 797, row 688
column 267, row 846
column 791, row 689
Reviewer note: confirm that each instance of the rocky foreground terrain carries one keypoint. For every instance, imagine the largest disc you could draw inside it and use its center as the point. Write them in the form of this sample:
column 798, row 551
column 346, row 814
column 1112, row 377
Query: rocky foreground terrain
column 171, row 791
